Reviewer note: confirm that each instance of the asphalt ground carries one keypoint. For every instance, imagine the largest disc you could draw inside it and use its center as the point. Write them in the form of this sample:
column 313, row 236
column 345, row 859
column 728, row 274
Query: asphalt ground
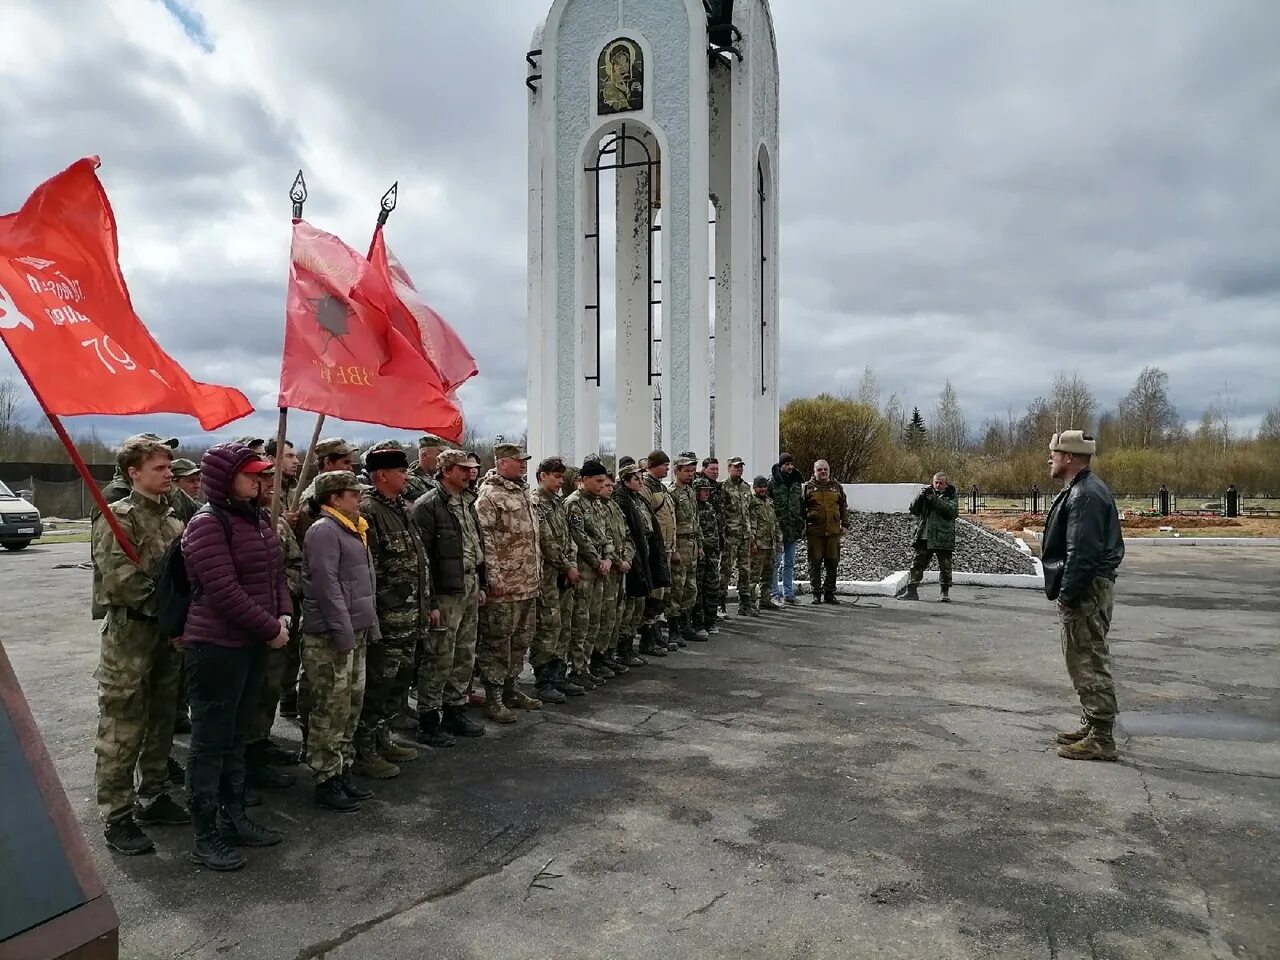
column 861, row 781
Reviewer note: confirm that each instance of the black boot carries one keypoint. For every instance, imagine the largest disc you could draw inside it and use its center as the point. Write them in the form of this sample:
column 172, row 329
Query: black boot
column 431, row 731
column 650, row 645
column 817, row 598
column 353, row 789
column 560, row 680
column 674, row 640
column 946, row 594
column 332, row 796
column 237, row 830
column 909, row 592
column 545, row 688
column 125, row 836
column 259, row 772
column 627, row 653
column 687, row 630
column 209, row 849
column 459, row 724
column 615, row 662
column 832, row 599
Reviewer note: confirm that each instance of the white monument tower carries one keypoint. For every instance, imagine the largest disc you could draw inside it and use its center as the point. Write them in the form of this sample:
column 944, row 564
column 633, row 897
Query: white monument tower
column 679, row 100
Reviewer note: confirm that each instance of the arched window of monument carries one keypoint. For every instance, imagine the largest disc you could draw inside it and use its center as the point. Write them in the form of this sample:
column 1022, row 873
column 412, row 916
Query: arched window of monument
column 622, row 317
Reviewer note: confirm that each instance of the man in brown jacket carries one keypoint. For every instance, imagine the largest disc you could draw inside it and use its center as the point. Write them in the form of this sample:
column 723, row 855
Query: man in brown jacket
column 826, row 513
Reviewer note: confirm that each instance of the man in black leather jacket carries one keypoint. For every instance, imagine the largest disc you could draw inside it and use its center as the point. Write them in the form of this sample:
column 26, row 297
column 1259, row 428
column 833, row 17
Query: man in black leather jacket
column 1082, row 550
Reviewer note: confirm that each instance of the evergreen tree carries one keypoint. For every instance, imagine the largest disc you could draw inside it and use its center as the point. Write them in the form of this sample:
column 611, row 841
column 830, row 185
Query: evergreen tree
column 915, row 436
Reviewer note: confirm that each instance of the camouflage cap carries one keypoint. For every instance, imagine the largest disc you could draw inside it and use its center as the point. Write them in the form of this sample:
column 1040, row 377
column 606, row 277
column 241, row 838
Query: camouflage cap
column 687, row 455
column 509, row 451
column 250, row 441
column 183, row 467
column 430, row 440
column 456, row 458
column 737, row 462
column 171, row 442
column 386, row 445
column 684, row 461
column 701, row 483
column 760, row 482
column 333, row 447
column 334, row 481
column 628, row 471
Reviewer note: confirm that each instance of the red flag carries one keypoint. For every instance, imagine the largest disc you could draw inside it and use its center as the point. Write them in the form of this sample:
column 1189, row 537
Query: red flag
column 439, row 342
column 66, row 316
column 344, row 355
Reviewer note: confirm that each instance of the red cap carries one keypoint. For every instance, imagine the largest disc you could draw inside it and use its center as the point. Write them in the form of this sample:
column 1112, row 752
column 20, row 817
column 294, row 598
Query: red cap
column 257, row 465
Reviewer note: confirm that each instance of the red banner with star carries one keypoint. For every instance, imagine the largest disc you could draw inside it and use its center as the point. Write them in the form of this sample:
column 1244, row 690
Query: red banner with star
column 343, row 355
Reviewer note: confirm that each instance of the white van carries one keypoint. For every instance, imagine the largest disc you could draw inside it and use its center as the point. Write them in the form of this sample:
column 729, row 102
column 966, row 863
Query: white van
column 19, row 520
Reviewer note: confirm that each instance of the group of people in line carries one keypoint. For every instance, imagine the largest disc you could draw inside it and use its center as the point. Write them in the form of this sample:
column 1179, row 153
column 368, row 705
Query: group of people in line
column 415, row 579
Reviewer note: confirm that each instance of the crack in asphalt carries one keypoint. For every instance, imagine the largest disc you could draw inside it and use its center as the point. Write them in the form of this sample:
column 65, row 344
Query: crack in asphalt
column 318, row 951
column 1217, row 944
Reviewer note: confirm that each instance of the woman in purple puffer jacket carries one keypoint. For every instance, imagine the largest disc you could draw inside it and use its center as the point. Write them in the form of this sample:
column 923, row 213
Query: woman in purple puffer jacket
column 240, row 607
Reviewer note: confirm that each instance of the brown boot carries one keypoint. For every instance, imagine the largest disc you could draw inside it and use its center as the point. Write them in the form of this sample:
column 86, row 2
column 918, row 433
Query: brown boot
column 1098, row 745
column 392, row 750
column 494, row 708
column 1074, row 736
column 513, row 698
column 369, row 762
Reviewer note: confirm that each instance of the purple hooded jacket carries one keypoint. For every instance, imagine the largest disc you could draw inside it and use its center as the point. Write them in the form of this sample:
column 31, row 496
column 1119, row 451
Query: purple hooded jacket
column 242, row 586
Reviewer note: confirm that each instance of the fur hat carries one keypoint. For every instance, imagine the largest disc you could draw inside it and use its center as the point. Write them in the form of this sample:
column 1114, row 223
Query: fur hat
column 1073, row 441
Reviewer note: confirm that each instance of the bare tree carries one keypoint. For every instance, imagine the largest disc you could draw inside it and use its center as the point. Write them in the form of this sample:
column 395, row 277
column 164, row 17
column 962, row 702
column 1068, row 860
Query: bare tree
column 1269, row 430
column 1036, row 425
column 949, row 428
column 869, row 389
column 895, row 414
column 1146, row 413
column 13, row 397
column 1072, row 403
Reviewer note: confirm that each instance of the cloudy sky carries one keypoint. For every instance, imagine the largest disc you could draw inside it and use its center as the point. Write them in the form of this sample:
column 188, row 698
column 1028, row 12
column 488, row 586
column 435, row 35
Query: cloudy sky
column 988, row 192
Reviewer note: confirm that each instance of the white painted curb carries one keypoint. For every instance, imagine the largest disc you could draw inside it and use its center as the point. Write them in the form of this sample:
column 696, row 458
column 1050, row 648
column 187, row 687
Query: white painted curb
column 1202, row 541
column 891, row 584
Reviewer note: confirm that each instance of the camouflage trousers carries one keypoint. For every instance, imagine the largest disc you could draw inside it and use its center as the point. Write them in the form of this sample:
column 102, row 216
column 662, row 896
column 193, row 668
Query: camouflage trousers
column 335, row 681
column 137, row 704
column 508, row 631
column 921, row 563
column 586, row 618
column 449, row 651
column 610, row 612
column 1084, row 646
column 708, row 588
column 760, row 578
column 553, row 623
column 684, row 578
column 736, row 557
column 388, row 669
column 632, row 614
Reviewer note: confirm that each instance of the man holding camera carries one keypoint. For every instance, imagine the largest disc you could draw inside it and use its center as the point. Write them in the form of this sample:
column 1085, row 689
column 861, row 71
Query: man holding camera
column 937, row 509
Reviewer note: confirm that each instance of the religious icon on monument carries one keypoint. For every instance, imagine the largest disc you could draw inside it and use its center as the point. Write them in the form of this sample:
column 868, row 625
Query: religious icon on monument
column 621, row 83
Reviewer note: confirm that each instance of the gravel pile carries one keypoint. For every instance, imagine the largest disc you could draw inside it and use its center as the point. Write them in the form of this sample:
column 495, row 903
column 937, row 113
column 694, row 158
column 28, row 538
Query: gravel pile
column 879, row 544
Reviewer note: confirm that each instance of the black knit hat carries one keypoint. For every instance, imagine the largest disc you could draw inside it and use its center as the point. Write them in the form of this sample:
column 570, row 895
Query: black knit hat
column 593, row 468
column 386, row 459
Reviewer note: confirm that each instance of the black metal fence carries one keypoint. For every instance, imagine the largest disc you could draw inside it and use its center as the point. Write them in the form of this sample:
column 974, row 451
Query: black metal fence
column 1163, row 502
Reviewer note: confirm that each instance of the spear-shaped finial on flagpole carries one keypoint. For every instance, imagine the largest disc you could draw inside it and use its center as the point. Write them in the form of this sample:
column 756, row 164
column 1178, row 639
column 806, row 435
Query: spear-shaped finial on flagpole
column 388, row 203
column 298, row 194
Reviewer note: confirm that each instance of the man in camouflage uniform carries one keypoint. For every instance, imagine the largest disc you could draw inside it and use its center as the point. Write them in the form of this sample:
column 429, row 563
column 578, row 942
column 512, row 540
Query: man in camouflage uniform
column 260, row 751
column 754, row 592
column 684, row 563
column 332, row 454
column 400, row 571
column 510, row 530
column 736, row 495
column 631, row 501
column 710, row 532
column 710, row 471
column 550, row 648
column 138, row 670
column 450, row 533
column 605, row 660
column 595, row 560
column 423, row 475
column 658, row 497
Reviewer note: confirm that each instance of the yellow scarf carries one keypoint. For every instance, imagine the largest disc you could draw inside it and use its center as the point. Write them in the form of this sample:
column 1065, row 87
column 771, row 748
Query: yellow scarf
column 360, row 528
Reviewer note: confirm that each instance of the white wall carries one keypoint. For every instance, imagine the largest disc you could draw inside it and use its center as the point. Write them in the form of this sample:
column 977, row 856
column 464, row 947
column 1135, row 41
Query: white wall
column 881, row 497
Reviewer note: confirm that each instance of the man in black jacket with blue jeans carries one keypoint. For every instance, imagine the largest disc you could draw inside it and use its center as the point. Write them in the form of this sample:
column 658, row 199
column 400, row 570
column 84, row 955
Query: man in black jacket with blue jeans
column 1082, row 550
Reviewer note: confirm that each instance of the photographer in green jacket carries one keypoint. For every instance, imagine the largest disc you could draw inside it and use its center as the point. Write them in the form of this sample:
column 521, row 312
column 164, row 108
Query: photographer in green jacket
column 937, row 509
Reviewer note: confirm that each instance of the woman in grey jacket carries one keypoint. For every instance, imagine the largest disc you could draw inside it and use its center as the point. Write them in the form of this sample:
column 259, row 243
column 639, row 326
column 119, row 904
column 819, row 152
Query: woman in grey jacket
column 339, row 618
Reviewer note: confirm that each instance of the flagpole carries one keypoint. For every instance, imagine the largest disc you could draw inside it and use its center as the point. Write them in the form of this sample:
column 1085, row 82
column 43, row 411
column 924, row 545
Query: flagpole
column 297, row 194
column 385, row 206
column 81, row 467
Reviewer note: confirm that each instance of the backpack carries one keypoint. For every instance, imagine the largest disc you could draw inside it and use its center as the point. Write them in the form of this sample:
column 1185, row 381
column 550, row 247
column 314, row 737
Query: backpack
column 175, row 593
